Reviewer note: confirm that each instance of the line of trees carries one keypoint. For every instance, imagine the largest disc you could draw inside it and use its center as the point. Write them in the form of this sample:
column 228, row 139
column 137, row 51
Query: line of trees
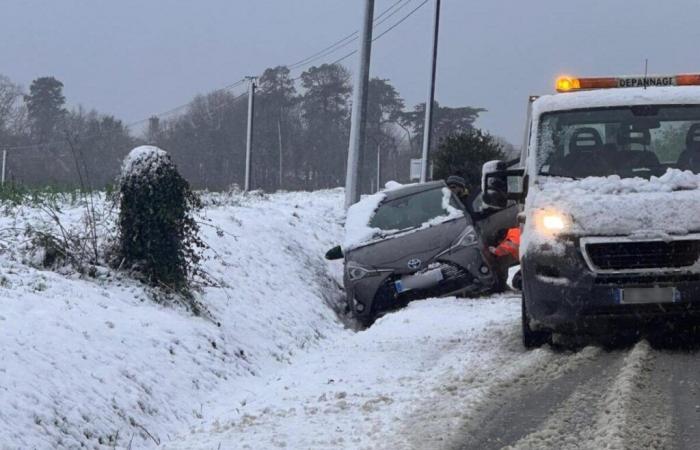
column 301, row 134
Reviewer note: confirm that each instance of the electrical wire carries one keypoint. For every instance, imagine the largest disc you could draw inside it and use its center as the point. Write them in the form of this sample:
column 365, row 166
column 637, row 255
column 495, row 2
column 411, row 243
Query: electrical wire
column 381, row 18
column 352, row 37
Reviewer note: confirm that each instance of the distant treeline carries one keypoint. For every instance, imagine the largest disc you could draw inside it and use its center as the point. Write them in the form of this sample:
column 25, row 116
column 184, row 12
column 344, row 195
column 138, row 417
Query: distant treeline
column 301, row 133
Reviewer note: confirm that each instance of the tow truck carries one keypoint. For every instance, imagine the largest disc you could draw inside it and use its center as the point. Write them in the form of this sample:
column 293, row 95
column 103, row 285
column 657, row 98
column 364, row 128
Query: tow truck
column 608, row 188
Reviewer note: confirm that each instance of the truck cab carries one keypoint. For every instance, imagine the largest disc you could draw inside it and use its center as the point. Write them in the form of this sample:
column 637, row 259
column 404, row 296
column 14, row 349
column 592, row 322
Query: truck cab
column 609, row 192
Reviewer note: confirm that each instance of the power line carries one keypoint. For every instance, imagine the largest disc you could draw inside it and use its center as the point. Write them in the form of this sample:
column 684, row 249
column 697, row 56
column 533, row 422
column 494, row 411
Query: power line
column 343, row 58
column 352, row 37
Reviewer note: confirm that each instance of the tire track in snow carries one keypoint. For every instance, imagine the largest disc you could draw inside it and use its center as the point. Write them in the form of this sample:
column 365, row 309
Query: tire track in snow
column 526, row 409
column 601, row 400
column 466, row 400
column 677, row 377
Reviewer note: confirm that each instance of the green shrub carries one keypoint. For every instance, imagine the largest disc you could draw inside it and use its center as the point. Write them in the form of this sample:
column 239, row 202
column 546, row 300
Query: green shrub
column 158, row 235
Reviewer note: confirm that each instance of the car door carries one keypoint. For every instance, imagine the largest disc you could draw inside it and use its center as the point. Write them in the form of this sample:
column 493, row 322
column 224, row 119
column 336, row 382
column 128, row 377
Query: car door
column 492, row 224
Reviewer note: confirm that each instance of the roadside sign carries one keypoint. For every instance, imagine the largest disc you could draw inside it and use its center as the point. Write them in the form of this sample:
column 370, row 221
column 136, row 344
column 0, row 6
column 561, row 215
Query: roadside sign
column 416, row 166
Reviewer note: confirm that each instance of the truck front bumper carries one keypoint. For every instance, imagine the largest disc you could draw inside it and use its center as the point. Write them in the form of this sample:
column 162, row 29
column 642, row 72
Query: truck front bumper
column 562, row 294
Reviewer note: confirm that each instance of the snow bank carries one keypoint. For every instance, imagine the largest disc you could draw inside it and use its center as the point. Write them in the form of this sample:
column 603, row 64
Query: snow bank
column 96, row 363
column 395, row 385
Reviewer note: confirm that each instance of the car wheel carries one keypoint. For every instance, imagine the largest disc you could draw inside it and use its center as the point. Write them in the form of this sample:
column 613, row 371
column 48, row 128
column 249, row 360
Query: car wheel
column 532, row 338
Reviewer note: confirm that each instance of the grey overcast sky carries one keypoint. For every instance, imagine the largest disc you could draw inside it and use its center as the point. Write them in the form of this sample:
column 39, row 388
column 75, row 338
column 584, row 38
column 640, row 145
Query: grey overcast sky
column 135, row 58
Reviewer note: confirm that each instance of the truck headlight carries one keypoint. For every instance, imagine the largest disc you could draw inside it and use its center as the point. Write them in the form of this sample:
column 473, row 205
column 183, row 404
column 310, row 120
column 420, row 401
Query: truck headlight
column 551, row 222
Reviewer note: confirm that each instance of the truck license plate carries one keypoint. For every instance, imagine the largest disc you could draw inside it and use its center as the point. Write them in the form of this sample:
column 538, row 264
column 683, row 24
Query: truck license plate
column 648, row 295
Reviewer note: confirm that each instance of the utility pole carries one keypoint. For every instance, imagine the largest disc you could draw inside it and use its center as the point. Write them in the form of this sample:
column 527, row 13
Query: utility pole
column 428, row 127
column 279, row 138
column 379, row 167
column 4, row 161
column 359, row 109
column 249, row 132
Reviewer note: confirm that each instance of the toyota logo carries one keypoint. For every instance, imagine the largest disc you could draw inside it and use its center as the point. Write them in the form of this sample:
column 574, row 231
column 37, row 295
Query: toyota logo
column 414, row 264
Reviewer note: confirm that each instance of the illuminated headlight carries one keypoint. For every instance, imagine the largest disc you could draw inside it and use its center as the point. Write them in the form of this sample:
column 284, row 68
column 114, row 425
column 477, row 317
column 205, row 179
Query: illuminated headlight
column 551, row 222
column 357, row 272
column 468, row 237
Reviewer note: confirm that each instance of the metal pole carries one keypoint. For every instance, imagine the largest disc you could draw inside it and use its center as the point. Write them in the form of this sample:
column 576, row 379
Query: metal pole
column 379, row 167
column 359, row 109
column 279, row 136
column 4, row 161
column 428, row 127
column 249, row 132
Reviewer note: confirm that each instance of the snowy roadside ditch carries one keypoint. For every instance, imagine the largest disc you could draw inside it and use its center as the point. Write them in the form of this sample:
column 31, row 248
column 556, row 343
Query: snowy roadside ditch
column 95, row 362
column 414, row 372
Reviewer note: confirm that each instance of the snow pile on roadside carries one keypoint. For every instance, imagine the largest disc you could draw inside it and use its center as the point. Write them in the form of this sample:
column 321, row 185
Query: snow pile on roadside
column 413, row 371
column 94, row 362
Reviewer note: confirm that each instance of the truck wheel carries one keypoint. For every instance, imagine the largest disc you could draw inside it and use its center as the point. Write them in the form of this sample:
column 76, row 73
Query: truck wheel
column 532, row 338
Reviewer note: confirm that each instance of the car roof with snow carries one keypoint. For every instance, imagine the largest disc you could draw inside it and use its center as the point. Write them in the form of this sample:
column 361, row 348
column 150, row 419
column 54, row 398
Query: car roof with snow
column 411, row 189
column 601, row 98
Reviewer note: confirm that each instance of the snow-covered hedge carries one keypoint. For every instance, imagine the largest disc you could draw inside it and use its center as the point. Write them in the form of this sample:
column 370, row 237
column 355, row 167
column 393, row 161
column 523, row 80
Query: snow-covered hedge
column 158, row 235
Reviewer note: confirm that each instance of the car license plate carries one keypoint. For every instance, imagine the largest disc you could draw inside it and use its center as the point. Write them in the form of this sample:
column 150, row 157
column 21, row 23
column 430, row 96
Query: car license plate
column 648, row 295
column 421, row 280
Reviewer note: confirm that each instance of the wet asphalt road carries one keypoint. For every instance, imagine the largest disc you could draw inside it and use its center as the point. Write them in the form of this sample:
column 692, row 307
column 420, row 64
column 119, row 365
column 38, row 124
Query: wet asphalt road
column 643, row 396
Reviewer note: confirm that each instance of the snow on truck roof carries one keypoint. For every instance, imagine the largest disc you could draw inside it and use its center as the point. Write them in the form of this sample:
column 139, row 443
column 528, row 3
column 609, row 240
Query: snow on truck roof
column 600, row 98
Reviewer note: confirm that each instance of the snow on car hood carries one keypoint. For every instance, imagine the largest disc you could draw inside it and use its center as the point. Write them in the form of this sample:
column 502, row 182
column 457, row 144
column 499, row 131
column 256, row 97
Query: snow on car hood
column 357, row 229
column 613, row 205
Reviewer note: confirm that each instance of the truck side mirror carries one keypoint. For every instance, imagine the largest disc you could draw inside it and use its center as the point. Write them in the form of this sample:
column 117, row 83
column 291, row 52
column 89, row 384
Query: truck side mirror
column 495, row 177
column 334, row 253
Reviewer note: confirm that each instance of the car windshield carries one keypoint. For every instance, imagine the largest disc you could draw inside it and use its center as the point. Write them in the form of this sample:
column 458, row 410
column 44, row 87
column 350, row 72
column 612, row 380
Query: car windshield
column 411, row 210
column 626, row 141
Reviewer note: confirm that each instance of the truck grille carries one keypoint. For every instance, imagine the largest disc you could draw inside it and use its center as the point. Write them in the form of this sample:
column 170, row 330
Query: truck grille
column 643, row 255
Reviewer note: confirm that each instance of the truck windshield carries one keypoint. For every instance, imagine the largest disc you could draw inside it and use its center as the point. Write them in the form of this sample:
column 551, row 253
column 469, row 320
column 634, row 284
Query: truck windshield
column 410, row 211
column 633, row 141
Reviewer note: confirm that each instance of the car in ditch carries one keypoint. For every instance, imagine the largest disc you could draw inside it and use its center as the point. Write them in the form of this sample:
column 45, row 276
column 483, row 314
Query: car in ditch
column 610, row 199
column 410, row 242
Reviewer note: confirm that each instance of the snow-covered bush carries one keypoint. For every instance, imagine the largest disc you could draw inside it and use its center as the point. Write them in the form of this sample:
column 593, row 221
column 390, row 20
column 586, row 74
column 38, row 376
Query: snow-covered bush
column 158, row 235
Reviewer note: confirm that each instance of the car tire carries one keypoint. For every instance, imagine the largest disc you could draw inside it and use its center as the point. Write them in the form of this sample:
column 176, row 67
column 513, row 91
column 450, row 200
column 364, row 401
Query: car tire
column 532, row 338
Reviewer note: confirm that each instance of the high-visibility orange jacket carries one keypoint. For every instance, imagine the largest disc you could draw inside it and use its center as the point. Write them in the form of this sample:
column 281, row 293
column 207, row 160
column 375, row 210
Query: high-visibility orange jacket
column 510, row 245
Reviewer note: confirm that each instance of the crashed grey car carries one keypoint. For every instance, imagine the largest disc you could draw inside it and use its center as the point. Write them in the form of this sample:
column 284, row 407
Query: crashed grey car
column 419, row 243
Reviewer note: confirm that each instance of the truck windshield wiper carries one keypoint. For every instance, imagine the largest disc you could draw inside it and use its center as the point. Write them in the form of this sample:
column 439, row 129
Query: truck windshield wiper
column 559, row 175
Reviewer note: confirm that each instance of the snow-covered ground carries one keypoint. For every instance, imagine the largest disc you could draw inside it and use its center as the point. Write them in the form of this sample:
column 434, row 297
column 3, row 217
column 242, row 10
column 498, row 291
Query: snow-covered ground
column 403, row 383
column 95, row 362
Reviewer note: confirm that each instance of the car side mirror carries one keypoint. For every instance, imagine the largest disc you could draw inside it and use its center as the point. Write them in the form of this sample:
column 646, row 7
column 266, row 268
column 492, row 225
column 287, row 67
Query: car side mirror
column 335, row 253
column 495, row 180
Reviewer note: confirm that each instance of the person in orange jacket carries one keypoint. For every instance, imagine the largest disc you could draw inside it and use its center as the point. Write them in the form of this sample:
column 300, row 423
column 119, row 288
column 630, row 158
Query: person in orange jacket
column 507, row 254
column 509, row 246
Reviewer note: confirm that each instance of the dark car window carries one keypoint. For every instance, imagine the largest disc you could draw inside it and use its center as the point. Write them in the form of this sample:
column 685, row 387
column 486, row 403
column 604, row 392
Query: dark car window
column 409, row 211
column 626, row 141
